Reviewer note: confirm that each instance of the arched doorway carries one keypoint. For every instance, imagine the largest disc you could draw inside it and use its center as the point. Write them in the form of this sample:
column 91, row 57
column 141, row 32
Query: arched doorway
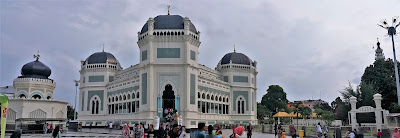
column 168, row 97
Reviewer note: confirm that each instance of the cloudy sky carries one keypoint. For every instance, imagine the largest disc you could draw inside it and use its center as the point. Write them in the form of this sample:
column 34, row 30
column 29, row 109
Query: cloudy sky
column 311, row 48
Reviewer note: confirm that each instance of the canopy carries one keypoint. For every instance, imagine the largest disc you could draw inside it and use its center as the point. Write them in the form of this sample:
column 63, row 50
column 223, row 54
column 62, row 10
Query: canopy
column 294, row 115
column 282, row 114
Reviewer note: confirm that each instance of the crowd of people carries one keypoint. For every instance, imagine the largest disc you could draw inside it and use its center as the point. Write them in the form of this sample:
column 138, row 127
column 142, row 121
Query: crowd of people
column 177, row 131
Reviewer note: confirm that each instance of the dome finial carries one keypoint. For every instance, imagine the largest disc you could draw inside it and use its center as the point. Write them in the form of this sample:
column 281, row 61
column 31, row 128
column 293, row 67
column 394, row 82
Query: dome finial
column 377, row 43
column 234, row 48
column 37, row 56
column 168, row 9
column 103, row 47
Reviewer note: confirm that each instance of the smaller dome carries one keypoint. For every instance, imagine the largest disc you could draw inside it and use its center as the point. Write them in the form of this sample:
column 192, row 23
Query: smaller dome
column 101, row 57
column 35, row 69
column 236, row 58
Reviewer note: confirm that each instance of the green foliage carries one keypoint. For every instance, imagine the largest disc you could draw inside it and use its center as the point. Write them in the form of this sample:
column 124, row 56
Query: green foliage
column 319, row 111
column 348, row 92
column 305, row 111
column 381, row 77
column 262, row 111
column 275, row 98
column 328, row 117
column 367, row 95
column 323, row 106
column 70, row 113
column 340, row 109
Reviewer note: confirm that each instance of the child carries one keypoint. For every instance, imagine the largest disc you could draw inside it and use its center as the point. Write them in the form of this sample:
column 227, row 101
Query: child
column 379, row 134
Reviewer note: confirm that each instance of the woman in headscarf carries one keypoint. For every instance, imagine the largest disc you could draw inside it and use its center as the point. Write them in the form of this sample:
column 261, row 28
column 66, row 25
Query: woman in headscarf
column 396, row 133
column 183, row 132
column 240, row 133
column 56, row 132
column 126, row 132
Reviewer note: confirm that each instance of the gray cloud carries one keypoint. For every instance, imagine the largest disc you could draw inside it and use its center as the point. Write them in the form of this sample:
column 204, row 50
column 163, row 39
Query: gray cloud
column 311, row 48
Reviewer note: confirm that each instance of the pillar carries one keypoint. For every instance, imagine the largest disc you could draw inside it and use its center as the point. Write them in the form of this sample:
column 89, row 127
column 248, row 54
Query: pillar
column 353, row 102
column 378, row 110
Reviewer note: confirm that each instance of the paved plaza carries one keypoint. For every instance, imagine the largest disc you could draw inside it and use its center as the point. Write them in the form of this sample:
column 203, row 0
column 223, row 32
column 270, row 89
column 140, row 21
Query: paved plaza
column 117, row 133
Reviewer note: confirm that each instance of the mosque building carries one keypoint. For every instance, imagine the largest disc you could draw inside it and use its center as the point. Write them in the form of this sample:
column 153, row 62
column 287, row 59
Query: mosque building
column 167, row 76
column 31, row 102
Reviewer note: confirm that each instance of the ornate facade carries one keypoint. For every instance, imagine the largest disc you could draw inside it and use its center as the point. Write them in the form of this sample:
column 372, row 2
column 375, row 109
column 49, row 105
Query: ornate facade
column 168, row 76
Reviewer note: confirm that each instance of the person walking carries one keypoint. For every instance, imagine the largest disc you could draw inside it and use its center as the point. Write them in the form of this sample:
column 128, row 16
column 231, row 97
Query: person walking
column 151, row 132
column 292, row 131
column 319, row 130
column 56, row 133
column 249, row 130
column 396, row 133
column 45, row 128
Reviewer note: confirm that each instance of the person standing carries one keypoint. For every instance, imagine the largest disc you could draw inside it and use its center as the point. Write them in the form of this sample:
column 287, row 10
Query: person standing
column 200, row 132
column 45, row 128
column 56, row 133
column 210, row 132
column 276, row 129
column 319, row 130
column 138, row 131
column 151, row 132
column 352, row 134
column 249, row 130
column 110, row 127
column 379, row 134
column 126, row 131
column 175, row 131
column 396, row 133
column 292, row 131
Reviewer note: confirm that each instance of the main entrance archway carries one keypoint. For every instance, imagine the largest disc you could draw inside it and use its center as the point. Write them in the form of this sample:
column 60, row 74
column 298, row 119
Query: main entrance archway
column 168, row 97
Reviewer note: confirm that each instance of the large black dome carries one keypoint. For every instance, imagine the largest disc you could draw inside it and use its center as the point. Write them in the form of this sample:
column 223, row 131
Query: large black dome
column 35, row 69
column 168, row 22
column 101, row 57
column 236, row 58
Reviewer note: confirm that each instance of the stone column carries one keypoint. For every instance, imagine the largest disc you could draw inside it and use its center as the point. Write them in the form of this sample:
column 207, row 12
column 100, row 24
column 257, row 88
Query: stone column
column 378, row 110
column 353, row 102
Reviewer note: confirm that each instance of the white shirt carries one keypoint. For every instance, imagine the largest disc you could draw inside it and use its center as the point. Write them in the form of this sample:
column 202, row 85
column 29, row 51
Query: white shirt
column 352, row 135
column 110, row 125
column 319, row 130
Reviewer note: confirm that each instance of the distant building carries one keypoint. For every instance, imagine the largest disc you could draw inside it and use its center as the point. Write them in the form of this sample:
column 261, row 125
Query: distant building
column 309, row 103
column 31, row 102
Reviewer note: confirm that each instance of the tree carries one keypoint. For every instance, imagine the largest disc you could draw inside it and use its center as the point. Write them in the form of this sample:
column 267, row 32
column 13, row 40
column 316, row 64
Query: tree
column 328, row 117
column 367, row 95
column 340, row 109
column 275, row 98
column 262, row 111
column 348, row 92
column 380, row 75
column 70, row 113
column 323, row 106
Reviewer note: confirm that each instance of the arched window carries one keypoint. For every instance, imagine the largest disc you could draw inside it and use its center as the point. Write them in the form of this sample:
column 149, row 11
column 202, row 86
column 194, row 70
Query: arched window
column 220, row 99
column 223, row 99
column 48, row 97
column 198, row 95
column 240, row 105
column 212, row 97
column 133, row 95
column 109, row 99
column 216, row 98
column 95, row 105
column 120, row 98
column 113, row 99
column 124, row 97
column 227, row 100
column 208, row 97
column 116, row 98
column 129, row 96
column 137, row 95
column 22, row 96
column 36, row 96
column 203, row 96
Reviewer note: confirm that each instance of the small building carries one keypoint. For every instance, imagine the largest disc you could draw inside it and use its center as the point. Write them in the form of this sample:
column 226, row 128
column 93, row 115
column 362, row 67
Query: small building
column 308, row 103
column 31, row 103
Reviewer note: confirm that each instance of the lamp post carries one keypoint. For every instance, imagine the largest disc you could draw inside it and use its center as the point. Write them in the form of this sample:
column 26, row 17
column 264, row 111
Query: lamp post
column 76, row 93
column 391, row 32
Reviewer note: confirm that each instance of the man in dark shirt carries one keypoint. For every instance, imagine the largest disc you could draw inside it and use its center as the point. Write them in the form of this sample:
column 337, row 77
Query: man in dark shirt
column 175, row 131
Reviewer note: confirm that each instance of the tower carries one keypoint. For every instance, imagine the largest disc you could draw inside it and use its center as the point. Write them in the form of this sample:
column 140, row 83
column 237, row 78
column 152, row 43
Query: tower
column 379, row 52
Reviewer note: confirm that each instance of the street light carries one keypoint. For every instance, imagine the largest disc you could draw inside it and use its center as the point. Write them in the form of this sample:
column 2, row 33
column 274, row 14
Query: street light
column 392, row 32
column 76, row 93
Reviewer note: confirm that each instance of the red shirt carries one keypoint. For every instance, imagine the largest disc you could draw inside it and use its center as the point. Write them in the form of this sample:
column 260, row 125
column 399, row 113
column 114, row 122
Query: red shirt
column 379, row 134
